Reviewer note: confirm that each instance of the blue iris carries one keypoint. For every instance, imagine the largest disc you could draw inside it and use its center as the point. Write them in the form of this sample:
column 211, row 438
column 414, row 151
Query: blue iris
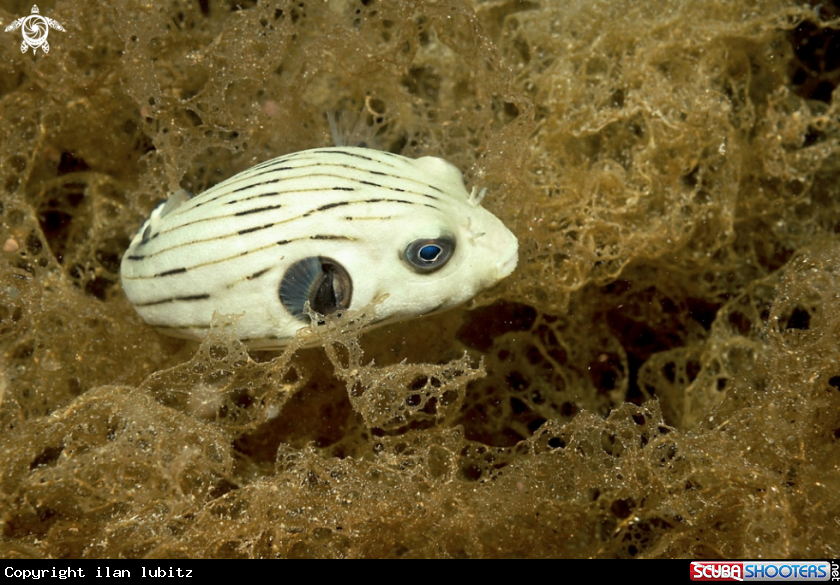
column 429, row 253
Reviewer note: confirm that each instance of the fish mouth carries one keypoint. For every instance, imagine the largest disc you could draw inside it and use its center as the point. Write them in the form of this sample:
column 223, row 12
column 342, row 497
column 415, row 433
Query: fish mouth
column 508, row 266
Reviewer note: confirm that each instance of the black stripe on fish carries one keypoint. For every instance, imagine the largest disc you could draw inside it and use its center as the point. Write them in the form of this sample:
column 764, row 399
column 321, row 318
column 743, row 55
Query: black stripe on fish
column 186, row 298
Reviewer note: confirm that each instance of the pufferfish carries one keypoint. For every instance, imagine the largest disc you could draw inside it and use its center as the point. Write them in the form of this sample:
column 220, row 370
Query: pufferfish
column 320, row 231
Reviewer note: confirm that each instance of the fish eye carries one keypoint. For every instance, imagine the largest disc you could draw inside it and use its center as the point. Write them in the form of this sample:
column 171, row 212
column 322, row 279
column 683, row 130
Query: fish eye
column 429, row 254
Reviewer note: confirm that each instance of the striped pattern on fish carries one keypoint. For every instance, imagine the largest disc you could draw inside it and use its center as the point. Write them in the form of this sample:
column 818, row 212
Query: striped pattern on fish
column 332, row 227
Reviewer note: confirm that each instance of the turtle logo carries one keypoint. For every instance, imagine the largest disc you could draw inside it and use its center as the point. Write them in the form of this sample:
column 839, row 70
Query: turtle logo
column 35, row 30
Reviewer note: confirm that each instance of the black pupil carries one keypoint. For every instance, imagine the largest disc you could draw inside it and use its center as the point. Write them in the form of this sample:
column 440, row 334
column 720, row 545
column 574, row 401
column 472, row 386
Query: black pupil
column 429, row 253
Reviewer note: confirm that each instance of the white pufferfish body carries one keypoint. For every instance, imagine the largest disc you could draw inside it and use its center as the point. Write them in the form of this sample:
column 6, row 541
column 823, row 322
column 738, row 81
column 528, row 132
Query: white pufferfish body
column 332, row 227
